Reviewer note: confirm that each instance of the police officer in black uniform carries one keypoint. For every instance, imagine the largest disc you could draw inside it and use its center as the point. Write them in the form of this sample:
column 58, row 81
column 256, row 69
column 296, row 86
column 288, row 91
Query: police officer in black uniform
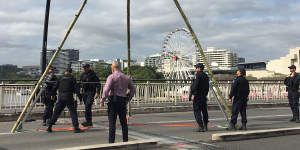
column 240, row 91
column 91, row 92
column 49, row 96
column 292, row 83
column 66, row 87
column 199, row 89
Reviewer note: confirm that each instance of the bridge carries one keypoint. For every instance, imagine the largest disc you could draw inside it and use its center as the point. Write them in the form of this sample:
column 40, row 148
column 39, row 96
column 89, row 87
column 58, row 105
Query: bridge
column 162, row 114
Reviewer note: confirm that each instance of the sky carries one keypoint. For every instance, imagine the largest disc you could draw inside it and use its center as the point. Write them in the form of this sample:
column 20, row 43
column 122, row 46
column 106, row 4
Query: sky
column 259, row 30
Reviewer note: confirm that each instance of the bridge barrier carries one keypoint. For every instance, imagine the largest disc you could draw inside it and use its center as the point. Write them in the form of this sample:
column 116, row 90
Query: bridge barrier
column 13, row 97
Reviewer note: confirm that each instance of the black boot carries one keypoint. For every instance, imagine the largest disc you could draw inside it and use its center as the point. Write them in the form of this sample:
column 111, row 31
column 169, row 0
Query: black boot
column 243, row 127
column 293, row 119
column 200, row 128
column 297, row 120
column 87, row 123
column 205, row 126
column 77, row 130
column 231, row 127
column 44, row 123
column 49, row 129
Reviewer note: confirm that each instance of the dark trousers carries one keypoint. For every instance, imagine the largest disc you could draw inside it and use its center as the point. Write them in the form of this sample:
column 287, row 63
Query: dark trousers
column 60, row 106
column 294, row 103
column 239, row 106
column 119, row 107
column 49, row 105
column 88, row 99
column 200, row 108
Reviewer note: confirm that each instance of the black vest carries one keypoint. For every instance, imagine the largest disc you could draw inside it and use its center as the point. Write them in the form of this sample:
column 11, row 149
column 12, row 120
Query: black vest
column 66, row 84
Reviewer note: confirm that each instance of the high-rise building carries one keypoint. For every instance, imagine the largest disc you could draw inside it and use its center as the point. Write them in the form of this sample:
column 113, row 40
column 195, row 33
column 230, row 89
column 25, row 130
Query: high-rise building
column 154, row 61
column 64, row 59
column 218, row 59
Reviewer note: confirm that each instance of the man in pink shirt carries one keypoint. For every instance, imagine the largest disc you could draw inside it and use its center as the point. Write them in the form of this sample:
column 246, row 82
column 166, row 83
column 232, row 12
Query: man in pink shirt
column 115, row 90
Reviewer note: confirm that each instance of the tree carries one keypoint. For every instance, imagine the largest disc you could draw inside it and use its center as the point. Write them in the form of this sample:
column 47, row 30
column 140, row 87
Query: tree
column 138, row 72
column 102, row 71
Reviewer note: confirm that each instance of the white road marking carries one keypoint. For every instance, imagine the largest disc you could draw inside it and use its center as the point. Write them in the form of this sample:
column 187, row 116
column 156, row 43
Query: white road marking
column 218, row 119
column 5, row 133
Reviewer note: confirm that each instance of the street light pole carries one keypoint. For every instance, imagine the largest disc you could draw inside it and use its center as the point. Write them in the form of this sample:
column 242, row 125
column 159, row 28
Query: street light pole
column 128, row 35
column 45, row 37
column 128, row 51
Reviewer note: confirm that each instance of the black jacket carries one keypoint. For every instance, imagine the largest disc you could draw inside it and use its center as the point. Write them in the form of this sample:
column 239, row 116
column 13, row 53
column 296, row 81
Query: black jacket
column 200, row 85
column 90, row 76
column 292, row 83
column 66, row 86
column 239, row 88
column 50, row 82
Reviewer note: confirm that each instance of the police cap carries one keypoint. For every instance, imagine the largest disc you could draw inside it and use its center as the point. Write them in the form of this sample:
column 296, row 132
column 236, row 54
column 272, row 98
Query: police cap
column 292, row 67
column 242, row 70
column 199, row 65
column 69, row 70
column 86, row 66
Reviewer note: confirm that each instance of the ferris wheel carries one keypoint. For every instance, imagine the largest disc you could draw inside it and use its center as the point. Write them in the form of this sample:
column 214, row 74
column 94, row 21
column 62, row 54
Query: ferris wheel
column 179, row 51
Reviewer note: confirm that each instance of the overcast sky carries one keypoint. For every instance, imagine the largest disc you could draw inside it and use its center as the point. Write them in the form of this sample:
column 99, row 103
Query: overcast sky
column 259, row 30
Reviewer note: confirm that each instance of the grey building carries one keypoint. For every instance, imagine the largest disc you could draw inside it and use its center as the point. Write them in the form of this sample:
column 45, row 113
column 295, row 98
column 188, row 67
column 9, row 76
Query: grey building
column 154, row 61
column 64, row 59
column 8, row 68
column 33, row 71
column 253, row 65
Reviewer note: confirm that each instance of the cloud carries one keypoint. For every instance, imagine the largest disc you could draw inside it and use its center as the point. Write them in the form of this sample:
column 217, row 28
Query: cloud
column 251, row 28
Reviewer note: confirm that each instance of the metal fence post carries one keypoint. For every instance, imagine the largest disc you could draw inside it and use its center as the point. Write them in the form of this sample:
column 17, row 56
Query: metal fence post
column 1, row 95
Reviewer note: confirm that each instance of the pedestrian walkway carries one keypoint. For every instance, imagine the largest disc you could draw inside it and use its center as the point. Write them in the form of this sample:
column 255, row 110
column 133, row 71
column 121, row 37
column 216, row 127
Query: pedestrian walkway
column 172, row 129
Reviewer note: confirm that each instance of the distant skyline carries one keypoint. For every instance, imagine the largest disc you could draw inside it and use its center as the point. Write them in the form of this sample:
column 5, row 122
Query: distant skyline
column 258, row 30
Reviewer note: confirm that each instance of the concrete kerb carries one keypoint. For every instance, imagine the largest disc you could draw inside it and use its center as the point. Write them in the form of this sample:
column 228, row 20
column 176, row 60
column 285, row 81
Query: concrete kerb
column 255, row 134
column 133, row 145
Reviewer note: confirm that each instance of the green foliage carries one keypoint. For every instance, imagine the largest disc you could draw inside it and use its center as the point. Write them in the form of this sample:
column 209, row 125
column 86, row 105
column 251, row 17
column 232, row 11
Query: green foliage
column 102, row 71
column 138, row 72
column 15, row 76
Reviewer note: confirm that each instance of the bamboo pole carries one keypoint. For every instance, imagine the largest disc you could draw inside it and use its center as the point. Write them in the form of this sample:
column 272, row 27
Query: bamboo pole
column 214, row 82
column 48, row 66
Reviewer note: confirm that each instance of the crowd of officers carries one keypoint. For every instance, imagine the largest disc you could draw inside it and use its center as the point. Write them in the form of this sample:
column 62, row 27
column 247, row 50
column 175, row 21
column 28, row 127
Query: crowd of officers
column 119, row 90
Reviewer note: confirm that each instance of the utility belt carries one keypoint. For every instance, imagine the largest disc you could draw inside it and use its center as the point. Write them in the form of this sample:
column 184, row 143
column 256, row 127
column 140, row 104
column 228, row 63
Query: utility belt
column 116, row 98
column 65, row 94
column 89, row 90
column 199, row 95
column 290, row 89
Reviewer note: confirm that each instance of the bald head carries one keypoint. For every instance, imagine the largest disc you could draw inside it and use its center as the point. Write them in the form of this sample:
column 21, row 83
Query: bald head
column 115, row 66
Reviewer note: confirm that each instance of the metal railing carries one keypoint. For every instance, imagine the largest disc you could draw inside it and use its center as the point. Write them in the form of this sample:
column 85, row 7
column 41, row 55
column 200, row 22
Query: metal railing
column 13, row 97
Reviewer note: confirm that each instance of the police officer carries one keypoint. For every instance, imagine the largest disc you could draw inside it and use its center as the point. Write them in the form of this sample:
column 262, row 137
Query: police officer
column 292, row 83
column 199, row 89
column 49, row 96
column 91, row 91
column 240, row 91
column 66, row 87
column 116, row 91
